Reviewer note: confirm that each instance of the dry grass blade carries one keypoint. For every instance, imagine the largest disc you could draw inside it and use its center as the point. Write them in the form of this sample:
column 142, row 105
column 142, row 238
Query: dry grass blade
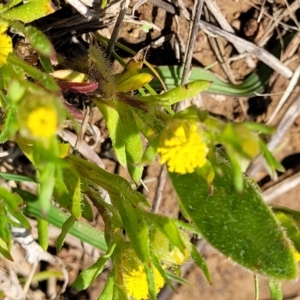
column 114, row 36
column 286, row 122
column 290, row 88
column 249, row 47
column 281, row 188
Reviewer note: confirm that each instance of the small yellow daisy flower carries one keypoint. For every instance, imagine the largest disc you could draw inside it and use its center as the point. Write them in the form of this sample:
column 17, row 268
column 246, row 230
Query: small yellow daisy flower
column 136, row 285
column 42, row 122
column 182, row 147
column 5, row 44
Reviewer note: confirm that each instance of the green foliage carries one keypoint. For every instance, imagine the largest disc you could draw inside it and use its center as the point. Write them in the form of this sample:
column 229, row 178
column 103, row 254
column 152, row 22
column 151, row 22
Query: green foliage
column 223, row 206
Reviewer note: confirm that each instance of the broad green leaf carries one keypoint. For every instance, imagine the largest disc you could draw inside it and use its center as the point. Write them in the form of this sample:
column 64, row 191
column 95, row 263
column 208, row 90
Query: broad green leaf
column 116, row 134
column 56, row 217
column 135, row 226
column 64, row 231
column 240, row 225
column 200, row 262
column 177, row 94
column 275, row 290
column 134, row 83
column 43, row 234
column 132, row 141
column 29, row 11
column 88, row 276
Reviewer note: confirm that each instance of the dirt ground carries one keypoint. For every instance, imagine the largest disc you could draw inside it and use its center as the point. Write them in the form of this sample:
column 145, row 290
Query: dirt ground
column 229, row 281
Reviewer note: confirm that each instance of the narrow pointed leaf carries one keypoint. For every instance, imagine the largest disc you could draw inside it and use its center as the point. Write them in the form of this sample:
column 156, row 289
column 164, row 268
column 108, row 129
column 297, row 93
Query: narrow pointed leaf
column 178, row 94
column 200, row 262
column 132, row 141
column 135, row 226
column 151, row 281
column 116, row 134
column 88, row 276
column 64, row 231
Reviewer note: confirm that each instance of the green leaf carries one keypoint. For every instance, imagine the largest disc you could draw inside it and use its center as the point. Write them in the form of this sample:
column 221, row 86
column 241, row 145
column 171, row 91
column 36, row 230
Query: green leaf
column 4, row 228
column 107, row 293
column 64, row 231
column 46, row 186
column 168, row 227
column 113, row 184
column 253, row 84
column 112, row 120
column 29, row 11
column 36, row 38
column 177, row 94
column 151, row 281
column 8, row 5
column 6, row 254
column 88, row 276
column 43, row 234
column 291, row 228
column 200, row 262
column 131, row 139
column 76, row 201
column 135, row 226
column 56, row 217
column 275, row 290
column 240, row 225
column 10, row 126
column 43, row 78
column 134, row 82
column 16, row 177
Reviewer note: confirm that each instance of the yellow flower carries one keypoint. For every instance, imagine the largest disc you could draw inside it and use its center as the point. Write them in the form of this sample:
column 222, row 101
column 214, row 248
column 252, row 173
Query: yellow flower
column 42, row 122
column 296, row 254
column 5, row 44
column 136, row 285
column 182, row 147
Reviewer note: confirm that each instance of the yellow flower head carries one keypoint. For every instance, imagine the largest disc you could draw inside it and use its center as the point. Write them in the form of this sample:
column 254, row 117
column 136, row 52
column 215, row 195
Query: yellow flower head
column 182, row 147
column 296, row 254
column 136, row 284
column 5, row 44
column 42, row 122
